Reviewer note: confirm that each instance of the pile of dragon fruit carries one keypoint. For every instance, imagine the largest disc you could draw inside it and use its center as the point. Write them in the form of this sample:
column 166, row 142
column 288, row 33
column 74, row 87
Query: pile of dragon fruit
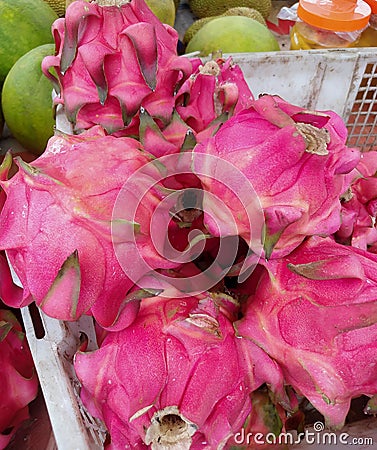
column 224, row 245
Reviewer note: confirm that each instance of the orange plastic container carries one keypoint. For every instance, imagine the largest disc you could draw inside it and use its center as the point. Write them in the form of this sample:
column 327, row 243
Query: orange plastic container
column 325, row 24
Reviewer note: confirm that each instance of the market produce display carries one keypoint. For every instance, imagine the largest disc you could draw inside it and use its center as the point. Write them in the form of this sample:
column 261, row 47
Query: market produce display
column 225, row 246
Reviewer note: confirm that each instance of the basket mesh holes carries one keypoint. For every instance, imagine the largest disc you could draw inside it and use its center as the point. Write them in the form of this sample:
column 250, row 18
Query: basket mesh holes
column 362, row 122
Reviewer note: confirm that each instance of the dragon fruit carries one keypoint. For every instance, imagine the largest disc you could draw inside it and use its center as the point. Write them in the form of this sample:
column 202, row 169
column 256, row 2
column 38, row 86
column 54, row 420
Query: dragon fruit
column 214, row 92
column 10, row 294
column 158, row 99
column 359, row 206
column 295, row 160
column 173, row 379
column 215, row 88
column 113, row 57
column 58, row 229
column 314, row 312
column 19, row 383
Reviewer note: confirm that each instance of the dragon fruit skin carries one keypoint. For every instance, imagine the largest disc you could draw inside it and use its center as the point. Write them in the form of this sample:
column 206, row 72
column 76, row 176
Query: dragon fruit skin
column 185, row 349
column 359, row 207
column 295, row 160
column 110, row 61
column 315, row 313
column 214, row 92
column 216, row 88
column 129, row 79
column 18, row 379
column 58, row 229
column 10, row 294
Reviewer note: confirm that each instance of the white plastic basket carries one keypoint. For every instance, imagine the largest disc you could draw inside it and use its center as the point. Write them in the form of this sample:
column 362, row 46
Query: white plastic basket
column 344, row 81
column 53, row 344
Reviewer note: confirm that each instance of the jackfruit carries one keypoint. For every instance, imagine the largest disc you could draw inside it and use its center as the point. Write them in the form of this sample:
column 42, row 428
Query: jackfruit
column 232, row 34
column 236, row 11
column 205, row 8
column 58, row 6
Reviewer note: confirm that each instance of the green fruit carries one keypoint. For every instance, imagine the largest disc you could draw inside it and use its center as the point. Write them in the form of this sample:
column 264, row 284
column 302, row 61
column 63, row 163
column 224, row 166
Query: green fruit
column 163, row 9
column 232, row 34
column 24, row 24
column 205, row 8
column 27, row 100
column 195, row 27
column 237, row 11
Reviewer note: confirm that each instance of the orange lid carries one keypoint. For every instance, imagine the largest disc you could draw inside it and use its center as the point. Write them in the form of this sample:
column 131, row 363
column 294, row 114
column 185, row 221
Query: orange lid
column 373, row 5
column 335, row 15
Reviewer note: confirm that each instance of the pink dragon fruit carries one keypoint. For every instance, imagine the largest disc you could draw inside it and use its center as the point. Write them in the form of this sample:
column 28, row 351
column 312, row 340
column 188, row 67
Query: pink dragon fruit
column 97, row 86
column 173, row 379
column 9, row 292
column 214, row 92
column 19, row 383
column 112, row 57
column 215, row 88
column 58, row 229
column 315, row 313
column 296, row 162
column 359, row 206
